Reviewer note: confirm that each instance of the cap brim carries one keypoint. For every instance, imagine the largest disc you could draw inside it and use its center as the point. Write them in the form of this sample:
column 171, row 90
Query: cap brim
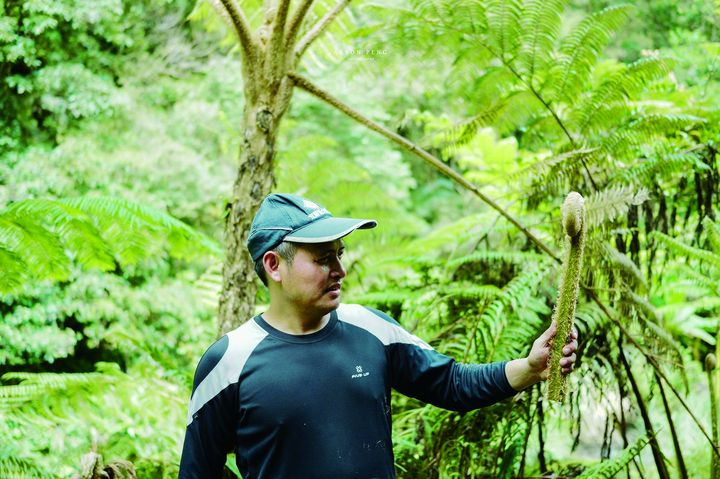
column 328, row 229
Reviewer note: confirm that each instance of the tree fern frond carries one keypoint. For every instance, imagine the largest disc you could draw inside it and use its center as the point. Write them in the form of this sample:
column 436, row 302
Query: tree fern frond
column 40, row 250
column 631, row 273
column 504, row 28
column 606, row 101
column 580, row 50
column 462, row 133
column 33, row 385
column 469, row 291
column 15, row 467
column 610, row 203
column 661, row 162
column 589, row 318
column 713, row 234
column 608, row 469
column 540, row 25
column 700, row 279
column 14, row 271
column 653, row 333
column 209, row 285
column 494, row 322
column 73, row 227
column 554, row 164
column 381, row 298
column 489, row 256
column 642, row 130
column 182, row 239
column 681, row 249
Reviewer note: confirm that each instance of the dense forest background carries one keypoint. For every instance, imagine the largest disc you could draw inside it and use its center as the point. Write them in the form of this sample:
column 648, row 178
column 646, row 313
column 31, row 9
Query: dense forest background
column 119, row 142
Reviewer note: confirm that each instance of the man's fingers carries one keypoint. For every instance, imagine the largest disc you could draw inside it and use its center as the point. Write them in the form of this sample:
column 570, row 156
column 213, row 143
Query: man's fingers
column 548, row 334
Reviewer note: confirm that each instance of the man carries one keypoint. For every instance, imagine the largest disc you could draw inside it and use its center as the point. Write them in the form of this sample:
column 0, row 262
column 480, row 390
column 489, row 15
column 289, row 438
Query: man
column 303, row 390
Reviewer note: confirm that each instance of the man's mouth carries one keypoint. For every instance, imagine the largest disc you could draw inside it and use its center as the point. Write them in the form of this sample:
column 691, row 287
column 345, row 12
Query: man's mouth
column 334, row 287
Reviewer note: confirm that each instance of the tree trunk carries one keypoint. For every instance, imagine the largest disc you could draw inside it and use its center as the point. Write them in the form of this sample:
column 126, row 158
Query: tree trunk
column 254, row 181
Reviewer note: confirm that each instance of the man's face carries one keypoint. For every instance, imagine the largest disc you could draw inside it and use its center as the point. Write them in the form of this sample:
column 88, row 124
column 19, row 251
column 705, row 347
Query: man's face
column 312, row 281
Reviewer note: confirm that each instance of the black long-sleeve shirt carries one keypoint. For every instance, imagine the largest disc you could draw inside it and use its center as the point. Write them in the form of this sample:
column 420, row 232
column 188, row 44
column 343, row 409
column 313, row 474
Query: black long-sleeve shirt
column 317, row 406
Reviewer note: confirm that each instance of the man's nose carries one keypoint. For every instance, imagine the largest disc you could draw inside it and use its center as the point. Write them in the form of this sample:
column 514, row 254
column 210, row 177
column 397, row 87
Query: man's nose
column 338, row 271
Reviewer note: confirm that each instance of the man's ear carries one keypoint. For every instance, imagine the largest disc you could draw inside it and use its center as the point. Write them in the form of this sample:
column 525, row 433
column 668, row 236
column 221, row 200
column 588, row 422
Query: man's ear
column 271, row 262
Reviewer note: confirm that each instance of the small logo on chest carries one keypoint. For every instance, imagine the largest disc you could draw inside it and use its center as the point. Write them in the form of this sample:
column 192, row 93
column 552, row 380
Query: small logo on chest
column 359, row 373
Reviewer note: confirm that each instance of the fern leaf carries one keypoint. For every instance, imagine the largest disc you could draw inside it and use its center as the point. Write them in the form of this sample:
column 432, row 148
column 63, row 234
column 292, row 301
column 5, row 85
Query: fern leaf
column 504, row 28
column 682, row 249
column 662, row 161
column 16, row 467
column 487, row 256
column 609, row 468
column 579, row 51
column 540, row 26
column 606, row 102
column 39, row 249
column 608, row 204
column 713, row 234
column 627, row 266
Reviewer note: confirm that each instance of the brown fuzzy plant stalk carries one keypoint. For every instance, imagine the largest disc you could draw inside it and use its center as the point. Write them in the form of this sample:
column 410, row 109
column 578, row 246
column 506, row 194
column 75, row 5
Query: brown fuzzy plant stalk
column 573, row 218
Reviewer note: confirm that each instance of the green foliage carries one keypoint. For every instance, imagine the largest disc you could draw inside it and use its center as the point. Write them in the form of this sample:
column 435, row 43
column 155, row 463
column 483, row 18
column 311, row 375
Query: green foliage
column 97, row 232
column 139, row 416
column 118, row 100
column 608, row 469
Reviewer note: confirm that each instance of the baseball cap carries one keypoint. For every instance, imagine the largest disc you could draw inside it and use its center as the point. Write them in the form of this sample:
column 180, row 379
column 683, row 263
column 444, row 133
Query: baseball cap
column 285, row 217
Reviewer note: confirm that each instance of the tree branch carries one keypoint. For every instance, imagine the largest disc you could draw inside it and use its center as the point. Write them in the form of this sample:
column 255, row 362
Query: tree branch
column 296, row 22
column 247, row 42
column 318, row 29
column 278, row 32
column 306, row 85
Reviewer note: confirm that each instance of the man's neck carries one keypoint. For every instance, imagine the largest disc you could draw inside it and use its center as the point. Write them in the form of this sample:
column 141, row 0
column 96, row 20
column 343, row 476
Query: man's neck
column 290, row 321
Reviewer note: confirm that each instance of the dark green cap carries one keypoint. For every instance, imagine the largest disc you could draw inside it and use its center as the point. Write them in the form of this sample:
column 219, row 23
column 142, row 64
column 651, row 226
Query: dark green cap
column 284, row 217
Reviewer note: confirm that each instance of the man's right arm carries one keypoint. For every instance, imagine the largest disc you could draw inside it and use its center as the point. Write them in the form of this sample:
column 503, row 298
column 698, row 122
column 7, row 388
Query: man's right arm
column 209, row 435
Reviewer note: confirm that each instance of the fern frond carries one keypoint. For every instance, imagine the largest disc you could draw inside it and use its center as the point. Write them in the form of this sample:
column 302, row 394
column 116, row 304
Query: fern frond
column 608, row 469
column 627, row 139
column 14, row 467
column 610, row 203
column 504, row 27
column 662, row 161
column 653, row 333
column 700, row 279
column 488, row 256
column 494, row 325
column 631, row 273
column 469, row 291
column 579, row 50
column 713, row 234
column 540, row 25
column 589, row 317
column 14, row 270
column 605, row 104
column 681, row 249
column 73, row 227
column 39, row 239
column 380, row 298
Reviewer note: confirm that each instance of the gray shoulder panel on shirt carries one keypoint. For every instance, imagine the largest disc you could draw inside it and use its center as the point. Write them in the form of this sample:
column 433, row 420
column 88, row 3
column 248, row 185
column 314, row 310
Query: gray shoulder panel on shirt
column 241, row 343
column 387, row 332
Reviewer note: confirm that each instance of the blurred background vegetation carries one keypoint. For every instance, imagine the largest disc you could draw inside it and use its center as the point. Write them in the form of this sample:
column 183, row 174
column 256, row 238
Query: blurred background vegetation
column 119, row 138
